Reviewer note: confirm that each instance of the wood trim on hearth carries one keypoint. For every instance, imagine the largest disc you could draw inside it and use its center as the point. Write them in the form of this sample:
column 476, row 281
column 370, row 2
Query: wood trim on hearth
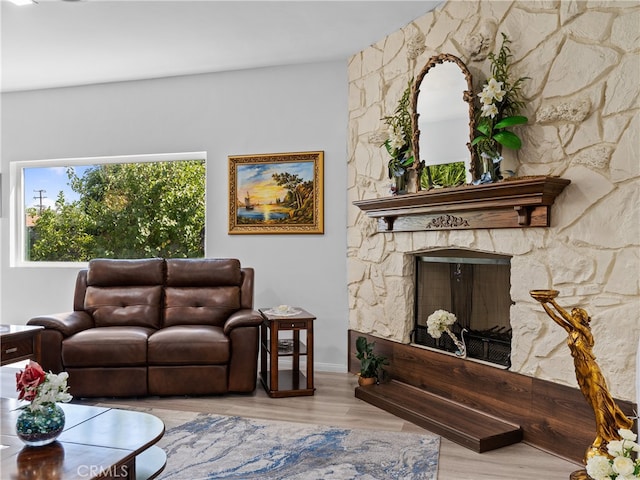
column 553, row 417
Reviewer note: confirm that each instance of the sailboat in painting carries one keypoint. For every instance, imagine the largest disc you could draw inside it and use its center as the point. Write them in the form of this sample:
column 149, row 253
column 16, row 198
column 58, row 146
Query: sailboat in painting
column 247, row 202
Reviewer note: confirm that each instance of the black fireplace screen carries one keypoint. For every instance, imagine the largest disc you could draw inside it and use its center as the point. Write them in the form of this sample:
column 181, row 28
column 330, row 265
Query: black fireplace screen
column 474, row 286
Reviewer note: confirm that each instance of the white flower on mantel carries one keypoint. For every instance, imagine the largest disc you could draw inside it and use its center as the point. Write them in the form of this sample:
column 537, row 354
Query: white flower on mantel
column 396, row 139
column 439, row 321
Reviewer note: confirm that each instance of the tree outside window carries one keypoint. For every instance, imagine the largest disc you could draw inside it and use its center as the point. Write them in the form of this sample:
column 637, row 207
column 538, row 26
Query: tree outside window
column 122, row 210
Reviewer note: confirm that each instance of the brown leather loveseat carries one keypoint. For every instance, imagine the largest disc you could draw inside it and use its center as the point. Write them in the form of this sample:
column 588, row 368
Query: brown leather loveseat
column 156, row 327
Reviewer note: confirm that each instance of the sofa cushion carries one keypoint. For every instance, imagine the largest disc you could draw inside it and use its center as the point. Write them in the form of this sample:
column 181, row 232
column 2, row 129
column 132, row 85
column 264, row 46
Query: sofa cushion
column 125, row 306
column 106, row 272
column 188, row 379
column 206, row 272
column 107, row 382
column 107, row 347
column 125, row 292
column 188, row 345
column 200, row 306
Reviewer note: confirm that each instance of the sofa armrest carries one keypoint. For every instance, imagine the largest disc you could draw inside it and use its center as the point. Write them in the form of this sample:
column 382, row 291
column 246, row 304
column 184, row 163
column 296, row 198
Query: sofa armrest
column 67, row 323
column 242, row 318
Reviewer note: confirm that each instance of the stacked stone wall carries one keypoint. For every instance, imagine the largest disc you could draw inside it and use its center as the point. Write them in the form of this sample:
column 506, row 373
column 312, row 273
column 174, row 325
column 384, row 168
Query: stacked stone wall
column 582, row 101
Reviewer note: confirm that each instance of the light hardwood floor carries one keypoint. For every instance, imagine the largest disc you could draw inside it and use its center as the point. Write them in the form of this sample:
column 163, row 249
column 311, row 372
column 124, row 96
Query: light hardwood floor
column 334, row 404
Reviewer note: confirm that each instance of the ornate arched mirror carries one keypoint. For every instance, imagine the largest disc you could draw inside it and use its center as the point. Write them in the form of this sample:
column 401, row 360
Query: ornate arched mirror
column 444, row 121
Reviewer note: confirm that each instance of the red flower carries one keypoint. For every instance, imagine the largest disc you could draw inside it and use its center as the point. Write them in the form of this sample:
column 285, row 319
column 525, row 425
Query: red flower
column 27, row 381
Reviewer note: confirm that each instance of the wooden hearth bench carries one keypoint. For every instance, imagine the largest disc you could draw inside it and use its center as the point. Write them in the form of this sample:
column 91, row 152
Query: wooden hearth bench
column 463, row 425
column 479, row 406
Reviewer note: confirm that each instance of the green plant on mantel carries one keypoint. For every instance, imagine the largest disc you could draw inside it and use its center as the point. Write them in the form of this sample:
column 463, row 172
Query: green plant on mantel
column 370, row 363
column 445, row 175
column 500, row 102
column 399, row 144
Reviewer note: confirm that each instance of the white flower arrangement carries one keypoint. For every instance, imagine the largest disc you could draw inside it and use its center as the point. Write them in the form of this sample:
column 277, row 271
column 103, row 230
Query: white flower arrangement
column 500, row 105
column 399, row 136
column 439, row 322
column 492, row 93
column 620, row 465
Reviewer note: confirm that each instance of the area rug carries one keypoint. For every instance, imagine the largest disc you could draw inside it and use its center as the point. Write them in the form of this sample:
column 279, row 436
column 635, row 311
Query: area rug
column 205, row 446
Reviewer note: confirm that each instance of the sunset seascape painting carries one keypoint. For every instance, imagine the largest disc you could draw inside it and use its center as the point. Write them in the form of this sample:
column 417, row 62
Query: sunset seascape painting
column 277, row 193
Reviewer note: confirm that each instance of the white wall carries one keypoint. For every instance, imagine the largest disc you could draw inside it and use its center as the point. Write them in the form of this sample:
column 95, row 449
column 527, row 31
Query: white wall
column 284, row 109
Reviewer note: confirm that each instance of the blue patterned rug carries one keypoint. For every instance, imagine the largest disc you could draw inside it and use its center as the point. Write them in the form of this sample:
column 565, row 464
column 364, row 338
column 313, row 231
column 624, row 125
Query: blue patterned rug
column 210, row 446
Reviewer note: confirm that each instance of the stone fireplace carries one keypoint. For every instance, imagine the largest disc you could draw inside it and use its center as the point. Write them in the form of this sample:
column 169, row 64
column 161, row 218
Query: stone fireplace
column 473, row 285
column 583, row 126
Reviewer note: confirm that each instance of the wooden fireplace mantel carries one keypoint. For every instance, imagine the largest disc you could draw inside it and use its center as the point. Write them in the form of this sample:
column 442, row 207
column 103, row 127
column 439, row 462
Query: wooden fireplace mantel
column 518, row 203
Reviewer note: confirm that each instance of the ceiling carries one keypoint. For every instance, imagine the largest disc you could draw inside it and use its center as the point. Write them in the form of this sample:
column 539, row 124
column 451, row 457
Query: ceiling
column 59, row 43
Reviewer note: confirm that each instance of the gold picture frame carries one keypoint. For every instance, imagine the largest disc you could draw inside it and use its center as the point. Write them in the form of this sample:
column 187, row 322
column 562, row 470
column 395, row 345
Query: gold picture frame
column 276, row 193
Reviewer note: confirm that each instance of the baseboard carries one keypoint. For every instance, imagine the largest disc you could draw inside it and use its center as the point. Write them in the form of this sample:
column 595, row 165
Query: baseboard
column 330, row 367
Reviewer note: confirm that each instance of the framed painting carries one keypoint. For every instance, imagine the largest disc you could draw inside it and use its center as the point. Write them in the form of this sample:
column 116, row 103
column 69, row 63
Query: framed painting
column 276, row 193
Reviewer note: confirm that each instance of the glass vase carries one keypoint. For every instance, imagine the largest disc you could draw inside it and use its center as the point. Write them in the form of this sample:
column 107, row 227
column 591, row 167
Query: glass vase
column 399, row 186
column 40, row 426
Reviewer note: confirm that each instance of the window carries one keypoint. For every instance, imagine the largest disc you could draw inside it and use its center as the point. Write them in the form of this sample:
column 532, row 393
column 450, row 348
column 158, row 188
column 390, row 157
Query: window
column 72, row 210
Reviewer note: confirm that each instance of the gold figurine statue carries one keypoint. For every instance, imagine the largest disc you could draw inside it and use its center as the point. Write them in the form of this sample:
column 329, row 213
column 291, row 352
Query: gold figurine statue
column 609, row 417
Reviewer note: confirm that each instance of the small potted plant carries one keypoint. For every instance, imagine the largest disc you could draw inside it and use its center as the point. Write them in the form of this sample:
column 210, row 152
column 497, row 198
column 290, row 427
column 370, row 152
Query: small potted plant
column 370, row 363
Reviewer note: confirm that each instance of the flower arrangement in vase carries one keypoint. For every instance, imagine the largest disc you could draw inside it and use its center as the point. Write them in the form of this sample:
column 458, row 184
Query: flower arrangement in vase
column 399, row 142
column 439, row 322
column 500, row 102
column 620, row 463
column 42, row 420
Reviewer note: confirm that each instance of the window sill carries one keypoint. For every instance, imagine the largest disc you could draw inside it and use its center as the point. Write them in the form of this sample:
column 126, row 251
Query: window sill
column 34, row 264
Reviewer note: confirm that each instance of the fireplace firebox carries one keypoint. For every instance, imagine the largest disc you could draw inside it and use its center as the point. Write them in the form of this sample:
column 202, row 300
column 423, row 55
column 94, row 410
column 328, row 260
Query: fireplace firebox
column 475, row 286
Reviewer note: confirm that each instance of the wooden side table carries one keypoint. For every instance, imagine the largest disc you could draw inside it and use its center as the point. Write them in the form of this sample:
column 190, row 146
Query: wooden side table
column 286, row 383
column 19, row 342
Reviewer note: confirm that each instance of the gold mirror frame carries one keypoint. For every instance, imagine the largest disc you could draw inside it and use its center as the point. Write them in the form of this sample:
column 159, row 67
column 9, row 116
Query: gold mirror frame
column 467, row 96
